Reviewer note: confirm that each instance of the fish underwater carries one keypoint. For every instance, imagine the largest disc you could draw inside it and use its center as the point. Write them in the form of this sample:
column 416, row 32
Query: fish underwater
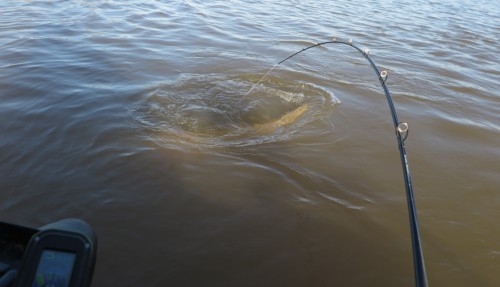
column 208, row 111
column 255, row 129
column 285, row 120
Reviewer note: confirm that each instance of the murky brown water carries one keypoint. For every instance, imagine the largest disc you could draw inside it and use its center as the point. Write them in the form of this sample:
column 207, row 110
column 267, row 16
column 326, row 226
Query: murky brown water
column 124, row 114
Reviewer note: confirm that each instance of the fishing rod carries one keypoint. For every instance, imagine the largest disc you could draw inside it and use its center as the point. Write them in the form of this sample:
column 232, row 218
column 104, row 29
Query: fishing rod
column 402, row 130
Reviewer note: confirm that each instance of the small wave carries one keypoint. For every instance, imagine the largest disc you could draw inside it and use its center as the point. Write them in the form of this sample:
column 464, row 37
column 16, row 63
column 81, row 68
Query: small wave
column 304, row 43
column 340, row 201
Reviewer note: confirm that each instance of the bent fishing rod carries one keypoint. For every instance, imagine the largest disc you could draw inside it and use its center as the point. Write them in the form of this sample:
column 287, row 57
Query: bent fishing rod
column 401, row 129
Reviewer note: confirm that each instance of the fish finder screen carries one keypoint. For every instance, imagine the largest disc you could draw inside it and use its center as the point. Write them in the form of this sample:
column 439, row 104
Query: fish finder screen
column 54, row 269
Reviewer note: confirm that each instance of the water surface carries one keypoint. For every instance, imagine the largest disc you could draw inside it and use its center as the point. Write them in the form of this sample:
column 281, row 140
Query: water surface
column 125, row 114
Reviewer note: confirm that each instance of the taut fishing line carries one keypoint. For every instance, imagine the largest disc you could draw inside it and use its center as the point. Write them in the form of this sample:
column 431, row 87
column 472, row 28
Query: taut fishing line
column 401, row 130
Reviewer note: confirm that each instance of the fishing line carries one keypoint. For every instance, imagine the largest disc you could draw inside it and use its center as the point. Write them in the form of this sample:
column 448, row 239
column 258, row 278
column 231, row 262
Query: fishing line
column 258, row 82
column 402, row 131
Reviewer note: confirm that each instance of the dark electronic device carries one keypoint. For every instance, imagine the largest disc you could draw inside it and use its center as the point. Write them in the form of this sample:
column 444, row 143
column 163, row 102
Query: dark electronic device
column 60, row 254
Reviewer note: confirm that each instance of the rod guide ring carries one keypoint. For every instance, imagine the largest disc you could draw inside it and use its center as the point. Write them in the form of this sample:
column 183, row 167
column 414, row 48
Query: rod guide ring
column 403, row 128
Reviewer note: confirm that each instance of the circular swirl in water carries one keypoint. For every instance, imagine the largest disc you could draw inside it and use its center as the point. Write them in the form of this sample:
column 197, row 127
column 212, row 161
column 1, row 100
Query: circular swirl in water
column 203, row 110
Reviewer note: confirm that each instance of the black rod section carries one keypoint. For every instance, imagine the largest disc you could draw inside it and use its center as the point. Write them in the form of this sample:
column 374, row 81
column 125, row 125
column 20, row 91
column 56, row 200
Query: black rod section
column 418, row 257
